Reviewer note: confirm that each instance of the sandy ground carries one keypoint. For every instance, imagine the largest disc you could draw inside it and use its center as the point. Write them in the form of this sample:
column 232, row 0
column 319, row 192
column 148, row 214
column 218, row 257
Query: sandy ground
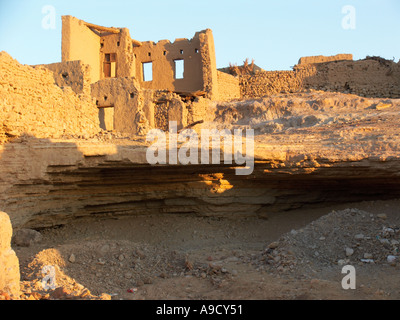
column 189, row 257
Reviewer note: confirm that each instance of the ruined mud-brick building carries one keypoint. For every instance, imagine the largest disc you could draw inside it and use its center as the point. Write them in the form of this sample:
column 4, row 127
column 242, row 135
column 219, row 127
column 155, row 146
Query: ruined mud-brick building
column 141, row 85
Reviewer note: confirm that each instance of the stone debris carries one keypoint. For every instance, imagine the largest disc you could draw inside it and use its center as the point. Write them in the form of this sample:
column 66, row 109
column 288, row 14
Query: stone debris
column 349, row 252
column 351, row 236
column 102, row 259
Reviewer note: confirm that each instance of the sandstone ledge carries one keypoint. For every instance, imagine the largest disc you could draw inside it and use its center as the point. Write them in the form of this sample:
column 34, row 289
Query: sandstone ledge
column 49, row 182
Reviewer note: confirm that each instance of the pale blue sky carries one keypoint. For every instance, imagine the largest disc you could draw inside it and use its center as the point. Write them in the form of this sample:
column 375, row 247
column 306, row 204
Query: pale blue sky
column 275, row 33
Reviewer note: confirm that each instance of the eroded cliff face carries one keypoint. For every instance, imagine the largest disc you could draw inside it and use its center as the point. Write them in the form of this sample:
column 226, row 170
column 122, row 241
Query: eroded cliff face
column 50, row 182
column 310, row 148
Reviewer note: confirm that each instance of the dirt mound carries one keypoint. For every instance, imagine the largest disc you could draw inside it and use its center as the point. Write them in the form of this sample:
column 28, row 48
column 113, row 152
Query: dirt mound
column 315, row 109
column 349, row 236
column 103, row 266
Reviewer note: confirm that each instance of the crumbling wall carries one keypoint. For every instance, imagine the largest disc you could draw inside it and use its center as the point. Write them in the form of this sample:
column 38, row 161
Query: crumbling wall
column 80, row 43
column 323, row 59
column 209, row 64
column 198, row 55
column 124, row 96
column 169, row 106
column 74, row 74
column 122, row 46
column 269, row 82
column 31, row 103
column 9, row 264
column 228, row 87
column 369, row 78
column 162, row 55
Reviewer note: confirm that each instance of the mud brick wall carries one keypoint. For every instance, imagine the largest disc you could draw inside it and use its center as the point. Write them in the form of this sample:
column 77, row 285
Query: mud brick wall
column 323, row 59
column 268, row 83
column 31, row 103
column 367, row 78
column 74, row 74
column 228, row 87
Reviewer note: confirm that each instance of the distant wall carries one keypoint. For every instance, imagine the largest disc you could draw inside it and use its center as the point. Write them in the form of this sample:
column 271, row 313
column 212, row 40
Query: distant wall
column 228, row 87
column 323, row 59
column 368, row 78
column 31, row 103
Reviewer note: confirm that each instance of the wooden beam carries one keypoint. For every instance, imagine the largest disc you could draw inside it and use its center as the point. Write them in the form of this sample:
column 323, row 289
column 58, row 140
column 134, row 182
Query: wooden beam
column 137, row 43
column 100, row 28
column 111, row 30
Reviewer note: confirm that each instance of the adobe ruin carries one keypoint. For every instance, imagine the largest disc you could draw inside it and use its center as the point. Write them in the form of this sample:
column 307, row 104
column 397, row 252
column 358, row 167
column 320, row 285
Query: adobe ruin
column 142, row 85
column 312, row 147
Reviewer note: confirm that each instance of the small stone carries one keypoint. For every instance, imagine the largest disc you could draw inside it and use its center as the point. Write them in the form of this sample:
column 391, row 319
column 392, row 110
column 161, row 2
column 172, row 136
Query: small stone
column 341, row 262
column 382, row 216
column 147, row 280
column 128, row 275
column 391, row 259
column 367, row 256
column 60, row 293
column 322, row 238
column 85, row 293
column 367, row 260
column 273, row 245
column 121, row 257
column 382, row 106
column 26, row 237
column 140, row 254
column 72, row 258
column 349, row 252
column 203, row 275
column 359, row 236
column 105, row 296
